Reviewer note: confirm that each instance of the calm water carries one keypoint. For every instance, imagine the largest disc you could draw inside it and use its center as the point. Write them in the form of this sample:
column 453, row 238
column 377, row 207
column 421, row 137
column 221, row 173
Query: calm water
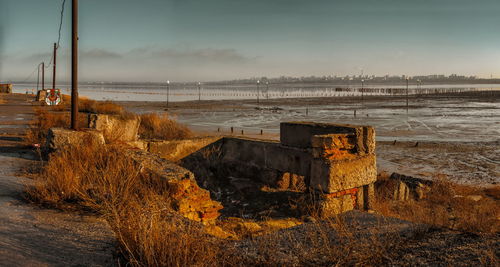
column 179, row 92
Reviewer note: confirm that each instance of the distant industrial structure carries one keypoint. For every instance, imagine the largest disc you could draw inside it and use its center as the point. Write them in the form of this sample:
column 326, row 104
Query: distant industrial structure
column 368, row 79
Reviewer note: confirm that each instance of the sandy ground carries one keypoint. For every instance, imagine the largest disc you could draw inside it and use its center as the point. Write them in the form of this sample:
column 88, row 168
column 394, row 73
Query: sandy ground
column 31, row 236
column 458, row 135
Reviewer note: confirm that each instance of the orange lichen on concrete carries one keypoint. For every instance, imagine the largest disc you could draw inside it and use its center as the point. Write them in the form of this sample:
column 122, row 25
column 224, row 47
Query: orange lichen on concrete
column 193, row 202
column 335, row 146
column 352, row 192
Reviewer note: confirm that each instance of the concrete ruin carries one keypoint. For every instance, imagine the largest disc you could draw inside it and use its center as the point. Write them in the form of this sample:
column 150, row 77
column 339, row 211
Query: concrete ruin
column 116, row 128
column 333, row 163
column 6, row 88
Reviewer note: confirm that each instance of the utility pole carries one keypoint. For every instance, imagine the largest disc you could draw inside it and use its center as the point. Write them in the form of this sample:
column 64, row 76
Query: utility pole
column 74, row 65
column 168, row 92
column 407, row 80
column 43, row 75
column 258, row 91
column 54, row 70
column 362, row 91
column 38, row 78
column 267, row 89
column 199, row 91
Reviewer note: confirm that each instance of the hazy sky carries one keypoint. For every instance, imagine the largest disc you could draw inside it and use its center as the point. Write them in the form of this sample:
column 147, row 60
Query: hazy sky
column 189, row 40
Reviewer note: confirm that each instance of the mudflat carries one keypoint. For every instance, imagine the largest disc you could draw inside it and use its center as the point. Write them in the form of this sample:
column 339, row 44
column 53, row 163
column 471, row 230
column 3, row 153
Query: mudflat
column 455, row 135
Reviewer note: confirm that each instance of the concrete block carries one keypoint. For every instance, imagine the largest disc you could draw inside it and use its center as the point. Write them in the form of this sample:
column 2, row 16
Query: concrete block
column 369, row 196
column 115, row 128
column 41, row 95
column 337, row 175
column 59, row 138
column 331, row 206
column 360, row 199
column 334, row 146
column 299, row 134
column 6, row 88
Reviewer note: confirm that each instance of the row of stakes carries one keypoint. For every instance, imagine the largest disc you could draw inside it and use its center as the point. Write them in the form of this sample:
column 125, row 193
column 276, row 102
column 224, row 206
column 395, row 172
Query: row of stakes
column 261, row 130
column 242, row 131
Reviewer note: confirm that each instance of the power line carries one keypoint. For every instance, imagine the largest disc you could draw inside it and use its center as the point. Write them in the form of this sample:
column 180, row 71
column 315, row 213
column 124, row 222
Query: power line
column 29, row 76
column 60, row 23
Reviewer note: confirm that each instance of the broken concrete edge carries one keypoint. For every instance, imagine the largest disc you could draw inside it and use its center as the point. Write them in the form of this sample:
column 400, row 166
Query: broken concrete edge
column 60, row 138
column 400, row 187
column 299, row 134
column 187, row 197
column 116, row 128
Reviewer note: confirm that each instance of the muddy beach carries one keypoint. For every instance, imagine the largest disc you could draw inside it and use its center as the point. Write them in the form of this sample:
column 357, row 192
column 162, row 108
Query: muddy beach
column 447, row 135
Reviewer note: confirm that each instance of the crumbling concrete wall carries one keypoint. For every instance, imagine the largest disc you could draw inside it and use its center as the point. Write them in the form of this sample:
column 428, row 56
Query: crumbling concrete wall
column 175, row 150
column 186, row 196
column 337, row 162
column 116, row 128
column 6, row 88
column 59, row 138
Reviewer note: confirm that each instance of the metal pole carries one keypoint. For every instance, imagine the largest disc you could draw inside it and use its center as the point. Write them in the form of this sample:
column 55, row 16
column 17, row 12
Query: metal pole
column 74, row 66
column 38, row 78
column 43, row 75
column 199, row 91
column 362, row 91
column 407, row 95
column 54, row 69
column 168, row 92
column 267, row 89
column 258, row 91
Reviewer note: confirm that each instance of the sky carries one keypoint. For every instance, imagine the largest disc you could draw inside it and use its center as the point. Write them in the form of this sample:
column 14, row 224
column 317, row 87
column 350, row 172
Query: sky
column 202, row 40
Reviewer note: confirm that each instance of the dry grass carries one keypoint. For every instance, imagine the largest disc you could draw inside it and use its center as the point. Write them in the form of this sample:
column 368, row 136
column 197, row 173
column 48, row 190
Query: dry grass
column 2, row 101
column 102, row 179
column 92, row 106
column 46, row 119
column 450, row 205
column 155, row 126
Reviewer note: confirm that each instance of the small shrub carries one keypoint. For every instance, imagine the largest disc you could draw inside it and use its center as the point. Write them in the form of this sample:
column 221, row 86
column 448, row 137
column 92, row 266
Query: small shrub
column 154, row 126
column 447, row 205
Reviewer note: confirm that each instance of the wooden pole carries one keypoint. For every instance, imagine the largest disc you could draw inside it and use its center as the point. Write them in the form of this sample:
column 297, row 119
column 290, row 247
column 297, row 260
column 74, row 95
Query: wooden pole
column 43, row 75
column 74, row 66
column 54, row 69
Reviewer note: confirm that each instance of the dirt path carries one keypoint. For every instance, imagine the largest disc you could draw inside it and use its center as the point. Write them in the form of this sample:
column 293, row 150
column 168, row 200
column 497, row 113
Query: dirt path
column 31, row 236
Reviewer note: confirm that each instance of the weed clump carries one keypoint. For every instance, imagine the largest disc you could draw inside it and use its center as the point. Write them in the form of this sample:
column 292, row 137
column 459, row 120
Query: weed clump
column 449, row 205
column 155, row 126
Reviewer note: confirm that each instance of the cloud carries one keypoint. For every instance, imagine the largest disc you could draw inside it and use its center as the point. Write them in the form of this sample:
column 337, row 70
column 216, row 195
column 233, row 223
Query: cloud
column 99, row 54
column 202, row 55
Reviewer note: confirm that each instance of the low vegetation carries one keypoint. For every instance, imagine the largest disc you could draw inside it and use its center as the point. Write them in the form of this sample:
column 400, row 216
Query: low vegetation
column 449, row 205
column 155, row 126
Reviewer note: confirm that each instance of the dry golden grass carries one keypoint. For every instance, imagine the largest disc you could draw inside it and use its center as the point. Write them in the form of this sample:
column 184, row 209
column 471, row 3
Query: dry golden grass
column 155, row 126
column 103, row 179
column 46, row 119
column 2, row 101
column 91, row 106
column 450, row 205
